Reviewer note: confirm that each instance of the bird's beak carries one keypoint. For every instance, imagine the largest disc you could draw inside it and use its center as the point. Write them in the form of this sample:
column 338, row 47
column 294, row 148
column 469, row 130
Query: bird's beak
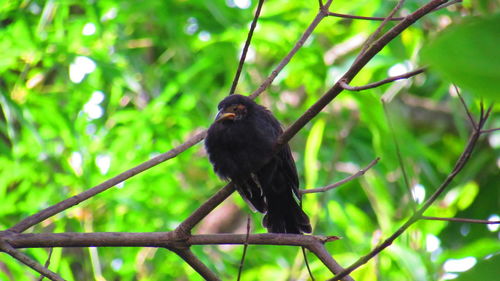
column 224, row 115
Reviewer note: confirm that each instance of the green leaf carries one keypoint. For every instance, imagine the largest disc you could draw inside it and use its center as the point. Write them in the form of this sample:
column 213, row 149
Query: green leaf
column 486, row 269
column 313, row 145
column 468, row 54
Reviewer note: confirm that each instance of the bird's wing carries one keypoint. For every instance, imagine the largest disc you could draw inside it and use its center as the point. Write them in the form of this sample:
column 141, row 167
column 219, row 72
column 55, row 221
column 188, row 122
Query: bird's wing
column 288, row 169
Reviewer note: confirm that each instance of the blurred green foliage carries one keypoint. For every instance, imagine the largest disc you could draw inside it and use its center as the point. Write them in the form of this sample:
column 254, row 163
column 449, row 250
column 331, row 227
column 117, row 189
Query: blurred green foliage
column 89, row 89
column 468, row 54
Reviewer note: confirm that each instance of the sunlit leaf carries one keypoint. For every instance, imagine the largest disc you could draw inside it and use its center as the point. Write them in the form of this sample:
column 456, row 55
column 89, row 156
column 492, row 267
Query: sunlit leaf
column 467, row 54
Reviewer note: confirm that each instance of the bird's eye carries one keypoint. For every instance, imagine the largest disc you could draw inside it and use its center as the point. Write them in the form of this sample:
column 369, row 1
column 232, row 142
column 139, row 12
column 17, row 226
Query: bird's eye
column 240, row 108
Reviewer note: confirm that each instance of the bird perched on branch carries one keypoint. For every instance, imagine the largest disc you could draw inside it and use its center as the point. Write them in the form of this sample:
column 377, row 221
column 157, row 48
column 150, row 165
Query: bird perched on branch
column 240, row 146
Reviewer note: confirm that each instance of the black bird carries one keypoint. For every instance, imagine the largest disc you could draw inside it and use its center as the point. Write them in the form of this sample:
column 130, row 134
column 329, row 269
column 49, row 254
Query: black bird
column 239, row 143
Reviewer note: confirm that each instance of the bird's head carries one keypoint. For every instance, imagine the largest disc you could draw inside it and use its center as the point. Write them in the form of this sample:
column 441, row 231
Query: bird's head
column 234, row 108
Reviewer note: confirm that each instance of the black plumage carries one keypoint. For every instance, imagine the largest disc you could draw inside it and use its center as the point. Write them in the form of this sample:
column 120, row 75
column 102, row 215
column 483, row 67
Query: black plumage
column 239, row 143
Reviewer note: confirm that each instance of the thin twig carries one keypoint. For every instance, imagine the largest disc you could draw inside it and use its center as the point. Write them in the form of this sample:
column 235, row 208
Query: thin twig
column 338, row 15
column 320, row 16
column 481, row 110
column 487, row 115
column 384, row 22
column 341, row 182
column 489, row 130
column 381, row 82
column 7, row 248
column 307, row 263
column 469, row 115
column 400, row 157
column 72, row 201
column 245, row 48
column 466, row 220
column 245, row 246
column 448, row 4
column 47, row 262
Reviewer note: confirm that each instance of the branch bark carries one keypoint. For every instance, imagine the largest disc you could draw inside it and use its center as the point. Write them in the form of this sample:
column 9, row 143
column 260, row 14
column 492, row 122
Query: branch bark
column 339, row 183
column 381, row 82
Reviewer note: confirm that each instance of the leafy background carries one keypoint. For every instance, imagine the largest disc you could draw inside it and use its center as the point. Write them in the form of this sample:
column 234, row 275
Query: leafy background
column 89, row 89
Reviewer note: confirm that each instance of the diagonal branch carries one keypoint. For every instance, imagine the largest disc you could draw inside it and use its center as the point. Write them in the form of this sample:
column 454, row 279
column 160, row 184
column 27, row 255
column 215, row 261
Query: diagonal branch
column 384, row 22
column 453, row 2
column 323, row 12
column 245, row 247
column 245, row 48
column 381, row 82
column 185, row 227
column 341, row 182
column 459, row 165
column 7, row 248
column 320, row 251
column 77, row 199
column 307, row 264
column 47, row 262
column 196, row 264
column 467, row 111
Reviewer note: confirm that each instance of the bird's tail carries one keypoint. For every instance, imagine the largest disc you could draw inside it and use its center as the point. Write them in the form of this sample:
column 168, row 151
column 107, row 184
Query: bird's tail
column 285, row 215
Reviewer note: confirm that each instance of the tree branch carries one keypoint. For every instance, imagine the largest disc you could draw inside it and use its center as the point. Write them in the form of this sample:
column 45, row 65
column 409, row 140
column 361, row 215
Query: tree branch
column 341, row 182
column 47, row 262
column 360, row 62
column 490, row 130
column 338, row 15
column 320, row 251
column 384, row 22
column 467, row 111
column 245, row 48
column 323, row 12
column 381, row 82
column 168, row 239
column 196, row 264
column 460, row 220
column 173, row 242
column 77, row 199
column 7, row 248
column 453, row 2
column 245, row 247
column 202, row 211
